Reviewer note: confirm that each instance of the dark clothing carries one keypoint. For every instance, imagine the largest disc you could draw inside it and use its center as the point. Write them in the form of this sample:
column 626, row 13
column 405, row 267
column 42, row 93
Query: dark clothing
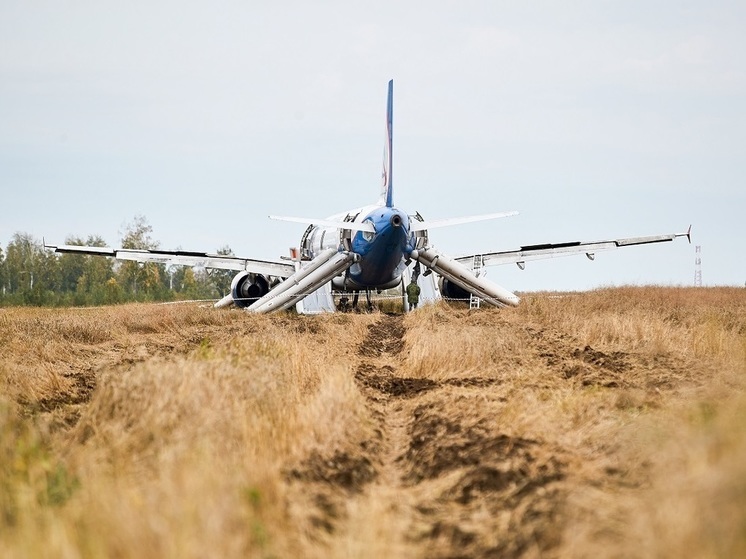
column 413, row 294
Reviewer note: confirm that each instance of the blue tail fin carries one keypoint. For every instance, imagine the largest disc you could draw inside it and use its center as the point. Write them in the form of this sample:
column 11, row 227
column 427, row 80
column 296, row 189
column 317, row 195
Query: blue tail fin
column 386, row 188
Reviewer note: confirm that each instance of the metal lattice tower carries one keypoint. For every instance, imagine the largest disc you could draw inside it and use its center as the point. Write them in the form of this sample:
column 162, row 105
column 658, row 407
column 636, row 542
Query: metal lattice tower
column 697, row 266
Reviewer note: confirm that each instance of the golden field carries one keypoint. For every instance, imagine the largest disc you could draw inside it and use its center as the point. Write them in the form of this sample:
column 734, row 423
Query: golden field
column 603, row 424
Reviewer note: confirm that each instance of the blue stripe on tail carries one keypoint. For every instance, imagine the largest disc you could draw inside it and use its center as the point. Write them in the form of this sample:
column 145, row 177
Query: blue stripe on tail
column 386, row 183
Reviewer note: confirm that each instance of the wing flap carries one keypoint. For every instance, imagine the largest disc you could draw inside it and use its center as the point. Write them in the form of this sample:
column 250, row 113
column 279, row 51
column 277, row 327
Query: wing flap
column 554, row 250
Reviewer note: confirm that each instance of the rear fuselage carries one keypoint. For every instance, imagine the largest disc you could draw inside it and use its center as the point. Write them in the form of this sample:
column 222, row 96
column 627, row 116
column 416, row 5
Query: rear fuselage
column 382, row 253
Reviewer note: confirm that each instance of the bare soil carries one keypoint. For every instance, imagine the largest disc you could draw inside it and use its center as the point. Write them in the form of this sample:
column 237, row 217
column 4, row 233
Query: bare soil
column 461, row 477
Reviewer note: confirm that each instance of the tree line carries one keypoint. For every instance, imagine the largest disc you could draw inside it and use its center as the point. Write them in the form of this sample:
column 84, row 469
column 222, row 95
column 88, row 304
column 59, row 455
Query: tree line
column 32, row 275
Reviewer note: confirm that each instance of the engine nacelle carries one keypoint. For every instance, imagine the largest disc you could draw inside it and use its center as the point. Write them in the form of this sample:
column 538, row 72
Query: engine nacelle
column 247, row 288
column 450, row 290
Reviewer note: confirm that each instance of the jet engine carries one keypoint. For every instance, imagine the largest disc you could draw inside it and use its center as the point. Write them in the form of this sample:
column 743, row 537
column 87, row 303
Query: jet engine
column 247, row 288
column 450, row 290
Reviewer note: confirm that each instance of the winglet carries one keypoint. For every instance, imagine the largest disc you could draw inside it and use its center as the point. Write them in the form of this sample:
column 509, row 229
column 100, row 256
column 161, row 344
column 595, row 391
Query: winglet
column 386, row 176
column 688, row 234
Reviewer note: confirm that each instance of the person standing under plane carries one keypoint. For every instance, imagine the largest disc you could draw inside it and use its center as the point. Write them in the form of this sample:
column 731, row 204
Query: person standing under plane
column 413, row 294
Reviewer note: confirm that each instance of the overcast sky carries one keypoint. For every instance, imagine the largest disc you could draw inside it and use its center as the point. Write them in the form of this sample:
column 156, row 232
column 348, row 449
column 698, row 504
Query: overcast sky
column 593, row 119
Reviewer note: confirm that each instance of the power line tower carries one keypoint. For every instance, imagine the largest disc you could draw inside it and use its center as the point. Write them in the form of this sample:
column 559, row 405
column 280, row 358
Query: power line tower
column 697, row 266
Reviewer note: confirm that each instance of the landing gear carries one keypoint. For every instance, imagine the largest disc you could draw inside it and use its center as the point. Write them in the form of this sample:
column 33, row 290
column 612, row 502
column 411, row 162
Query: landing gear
column 345, row 305
column 416, row 271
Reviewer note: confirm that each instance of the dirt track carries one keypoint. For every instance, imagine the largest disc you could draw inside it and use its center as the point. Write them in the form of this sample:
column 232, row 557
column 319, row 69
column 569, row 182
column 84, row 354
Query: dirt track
column 455, row 470
column 461, row 478
column 463, row 484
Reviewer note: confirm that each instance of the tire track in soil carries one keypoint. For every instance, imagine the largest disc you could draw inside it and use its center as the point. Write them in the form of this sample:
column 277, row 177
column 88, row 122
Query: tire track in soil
column 440, row 478
column 349, row 490
column 81, row 373
column 390, row 399
column 455, row 486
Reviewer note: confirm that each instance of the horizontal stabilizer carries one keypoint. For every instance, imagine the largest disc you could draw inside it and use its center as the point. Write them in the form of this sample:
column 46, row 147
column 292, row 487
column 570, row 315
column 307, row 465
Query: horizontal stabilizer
column 415, row 225
column 351, row 225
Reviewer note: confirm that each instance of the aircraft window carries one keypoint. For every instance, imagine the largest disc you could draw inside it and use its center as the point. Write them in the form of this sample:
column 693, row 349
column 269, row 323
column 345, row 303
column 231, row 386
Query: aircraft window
column 367, row 235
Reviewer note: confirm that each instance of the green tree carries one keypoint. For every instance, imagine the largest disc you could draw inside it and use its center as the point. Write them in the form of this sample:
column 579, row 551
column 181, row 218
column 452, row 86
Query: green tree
column 32, row 274
column 176, row 275
column 71, row 266
column 138, row 234
column 46, row 269
column 83, row 277
column 222, row 279
column 113, row 292
column 204, row 285
column 189, row 285
column 192, row 283
column 144, row 281
column 20, row 261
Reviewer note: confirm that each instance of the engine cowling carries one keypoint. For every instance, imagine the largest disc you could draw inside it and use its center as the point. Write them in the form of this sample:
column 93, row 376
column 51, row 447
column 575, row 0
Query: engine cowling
column 247, row 288
column 450, row 290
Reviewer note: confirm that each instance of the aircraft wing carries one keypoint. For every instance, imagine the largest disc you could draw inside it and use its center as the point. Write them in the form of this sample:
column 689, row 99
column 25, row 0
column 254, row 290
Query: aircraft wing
column 184, row 258
column 553, row 250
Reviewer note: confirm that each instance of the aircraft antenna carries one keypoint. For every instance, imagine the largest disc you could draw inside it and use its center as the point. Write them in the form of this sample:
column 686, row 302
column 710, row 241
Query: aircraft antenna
column 697, row 266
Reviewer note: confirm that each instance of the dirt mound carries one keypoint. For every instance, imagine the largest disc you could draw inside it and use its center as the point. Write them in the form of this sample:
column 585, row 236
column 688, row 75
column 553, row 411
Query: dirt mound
column 439, row 444
column 340, row 470
column 385, row 381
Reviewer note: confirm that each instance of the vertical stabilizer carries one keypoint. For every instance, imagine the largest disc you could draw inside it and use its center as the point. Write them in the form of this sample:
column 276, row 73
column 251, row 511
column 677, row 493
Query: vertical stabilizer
column 386, row 188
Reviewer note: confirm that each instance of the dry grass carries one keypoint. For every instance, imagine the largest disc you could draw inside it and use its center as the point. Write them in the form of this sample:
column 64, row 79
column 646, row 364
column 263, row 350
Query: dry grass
column 608, row 423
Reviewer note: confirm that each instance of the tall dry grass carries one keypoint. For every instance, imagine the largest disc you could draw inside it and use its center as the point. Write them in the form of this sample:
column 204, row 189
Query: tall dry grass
column 174, row 456
column 642, row 392
column 205, row 433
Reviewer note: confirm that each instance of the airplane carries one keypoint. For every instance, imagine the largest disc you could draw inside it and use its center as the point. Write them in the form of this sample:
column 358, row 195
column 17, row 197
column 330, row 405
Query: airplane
column 365, row 249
